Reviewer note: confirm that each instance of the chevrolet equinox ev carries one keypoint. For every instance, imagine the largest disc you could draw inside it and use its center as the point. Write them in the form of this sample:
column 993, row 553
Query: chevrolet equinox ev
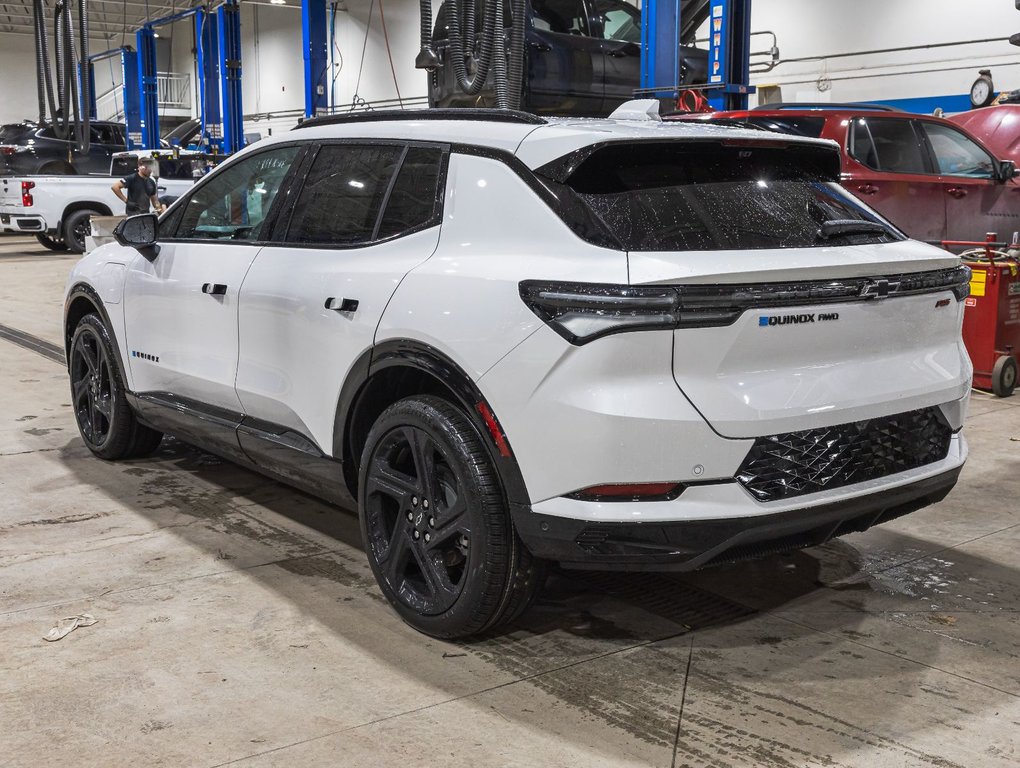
column 508, row 340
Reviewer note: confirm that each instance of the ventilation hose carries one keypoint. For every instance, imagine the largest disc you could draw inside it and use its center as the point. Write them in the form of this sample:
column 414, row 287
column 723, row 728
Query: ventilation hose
column 472, row 85
column 516, row 66
column 85, row 137
column 427, row 57
column 44, row 79
column 499, row 61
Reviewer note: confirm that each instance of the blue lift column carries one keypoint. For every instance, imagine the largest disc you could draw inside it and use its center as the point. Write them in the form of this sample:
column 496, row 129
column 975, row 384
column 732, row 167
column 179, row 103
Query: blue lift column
column 229, row 20
column 207, row 55
column 132, row 99
column 660, row 48
column 313, row 39
column 149, row 92
column 729, row 54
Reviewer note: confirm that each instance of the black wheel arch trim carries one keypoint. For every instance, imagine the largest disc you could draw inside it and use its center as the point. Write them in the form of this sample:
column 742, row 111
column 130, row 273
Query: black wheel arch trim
column 86, row 291
column 424, row 357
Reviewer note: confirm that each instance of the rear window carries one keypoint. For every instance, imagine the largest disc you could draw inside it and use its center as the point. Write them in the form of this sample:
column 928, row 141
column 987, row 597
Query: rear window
column 711, row 195
column 13, row 134
column 811, row 127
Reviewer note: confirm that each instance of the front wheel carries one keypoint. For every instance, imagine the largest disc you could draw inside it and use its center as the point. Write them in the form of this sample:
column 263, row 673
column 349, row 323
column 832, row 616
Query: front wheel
column 436, row 525
column 105, row 420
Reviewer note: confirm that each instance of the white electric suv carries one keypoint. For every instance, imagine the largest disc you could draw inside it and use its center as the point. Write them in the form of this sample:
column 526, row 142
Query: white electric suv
column 506, row 340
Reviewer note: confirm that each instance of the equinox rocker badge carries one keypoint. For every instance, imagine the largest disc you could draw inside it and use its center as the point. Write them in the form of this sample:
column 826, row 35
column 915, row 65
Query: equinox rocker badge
column 822, row 317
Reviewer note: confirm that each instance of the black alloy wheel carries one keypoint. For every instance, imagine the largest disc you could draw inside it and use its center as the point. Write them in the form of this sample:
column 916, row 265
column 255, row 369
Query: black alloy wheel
column 104, row 417
column 435, row 523
column 92, row 394
column 77, row 227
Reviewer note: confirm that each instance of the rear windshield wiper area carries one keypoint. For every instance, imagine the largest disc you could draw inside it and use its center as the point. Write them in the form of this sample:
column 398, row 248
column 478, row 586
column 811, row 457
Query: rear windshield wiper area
column 837, row 227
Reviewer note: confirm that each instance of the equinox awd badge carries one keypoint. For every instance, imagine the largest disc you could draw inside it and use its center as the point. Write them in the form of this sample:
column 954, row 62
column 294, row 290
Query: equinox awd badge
column 821, row 317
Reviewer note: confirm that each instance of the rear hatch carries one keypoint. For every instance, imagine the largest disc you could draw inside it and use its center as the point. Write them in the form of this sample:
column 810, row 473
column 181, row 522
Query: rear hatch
column 798, row 307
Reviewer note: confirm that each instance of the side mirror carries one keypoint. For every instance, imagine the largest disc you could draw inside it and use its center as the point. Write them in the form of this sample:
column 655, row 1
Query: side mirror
column 137, row 231
column 1015, row 39
column 1007, row 171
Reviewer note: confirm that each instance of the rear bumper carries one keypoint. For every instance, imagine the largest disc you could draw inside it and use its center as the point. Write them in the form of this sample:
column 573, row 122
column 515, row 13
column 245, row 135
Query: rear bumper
column 690, row 544
column 20, row 223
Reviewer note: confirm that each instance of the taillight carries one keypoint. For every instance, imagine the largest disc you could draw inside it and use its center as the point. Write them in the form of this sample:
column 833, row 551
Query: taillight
column 7, row 150
column 583, row 312
column 629, row 492
column 26, row 193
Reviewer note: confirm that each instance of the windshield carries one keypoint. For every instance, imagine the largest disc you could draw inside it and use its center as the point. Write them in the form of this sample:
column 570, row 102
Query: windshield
column 716, row 195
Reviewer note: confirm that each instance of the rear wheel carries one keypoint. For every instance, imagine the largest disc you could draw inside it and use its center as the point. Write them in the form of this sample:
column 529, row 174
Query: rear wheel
column 105, row 420
column 58, row 168
column 54, row 244
column 76, row 226
column 436, row 525
column 1004, row 376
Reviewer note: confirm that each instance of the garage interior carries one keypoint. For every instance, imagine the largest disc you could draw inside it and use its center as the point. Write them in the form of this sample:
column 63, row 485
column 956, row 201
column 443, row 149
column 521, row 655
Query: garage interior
column 208, row 616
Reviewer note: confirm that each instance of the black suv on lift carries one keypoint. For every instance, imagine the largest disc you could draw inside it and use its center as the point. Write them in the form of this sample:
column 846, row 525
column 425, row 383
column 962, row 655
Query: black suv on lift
column 32, row 148
column 583, row 57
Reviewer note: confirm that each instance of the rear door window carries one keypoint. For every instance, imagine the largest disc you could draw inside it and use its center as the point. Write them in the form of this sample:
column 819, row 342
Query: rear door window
column 712, row 195
column 956, row 155
column 888, row 145
column 343, row 194
column 564, row 16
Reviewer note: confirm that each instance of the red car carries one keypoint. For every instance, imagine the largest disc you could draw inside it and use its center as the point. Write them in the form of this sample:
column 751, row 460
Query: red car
column 927, row 175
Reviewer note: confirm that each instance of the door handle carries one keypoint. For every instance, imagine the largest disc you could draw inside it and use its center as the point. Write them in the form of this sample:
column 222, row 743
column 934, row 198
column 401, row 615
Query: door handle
column 956, row 192
column 540, row 46
column 214, row 289
column 341, row 305
column 867, row 189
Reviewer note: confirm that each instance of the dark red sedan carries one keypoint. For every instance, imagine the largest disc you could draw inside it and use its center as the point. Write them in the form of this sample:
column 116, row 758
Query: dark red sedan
column 929, row 176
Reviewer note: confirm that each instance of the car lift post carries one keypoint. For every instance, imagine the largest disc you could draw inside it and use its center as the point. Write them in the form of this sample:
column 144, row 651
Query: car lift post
column 207, row 58
column 229, row 21
column 729, row 52
column 147, row 86
column 130, row 101
column 313, row 39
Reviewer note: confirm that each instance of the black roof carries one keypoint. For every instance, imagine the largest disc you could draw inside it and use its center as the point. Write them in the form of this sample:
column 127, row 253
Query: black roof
column 484, row 115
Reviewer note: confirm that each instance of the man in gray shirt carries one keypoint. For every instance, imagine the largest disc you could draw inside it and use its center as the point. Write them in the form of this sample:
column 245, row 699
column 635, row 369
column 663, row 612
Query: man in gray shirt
column 140, row 188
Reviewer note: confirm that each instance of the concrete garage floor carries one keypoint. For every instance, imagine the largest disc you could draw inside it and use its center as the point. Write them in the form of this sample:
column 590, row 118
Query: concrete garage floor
column 238, row 623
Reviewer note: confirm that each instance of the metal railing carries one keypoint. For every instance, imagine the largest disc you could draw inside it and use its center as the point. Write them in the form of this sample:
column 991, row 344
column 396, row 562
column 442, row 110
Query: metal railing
column 173, row 92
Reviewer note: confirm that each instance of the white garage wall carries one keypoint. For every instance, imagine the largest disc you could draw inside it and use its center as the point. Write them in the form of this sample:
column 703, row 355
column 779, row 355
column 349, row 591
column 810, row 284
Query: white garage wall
column 816, row 28
column 273, row 79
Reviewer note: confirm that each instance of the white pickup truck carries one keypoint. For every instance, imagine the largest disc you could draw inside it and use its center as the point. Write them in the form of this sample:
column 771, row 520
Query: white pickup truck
column 56, row 209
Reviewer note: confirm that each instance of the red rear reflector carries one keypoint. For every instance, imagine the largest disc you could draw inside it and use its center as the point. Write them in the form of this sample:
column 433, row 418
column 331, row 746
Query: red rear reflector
column 494, row 429
column 26, row 193
column 629, row 492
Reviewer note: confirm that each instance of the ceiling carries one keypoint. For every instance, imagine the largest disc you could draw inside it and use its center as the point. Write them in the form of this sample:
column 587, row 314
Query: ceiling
column 113, row 20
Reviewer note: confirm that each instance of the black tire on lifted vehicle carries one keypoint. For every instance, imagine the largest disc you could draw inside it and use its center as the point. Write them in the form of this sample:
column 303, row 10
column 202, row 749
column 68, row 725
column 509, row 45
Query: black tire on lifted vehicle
column 76, row 226
column 436, row 525
column 52, row 243
column 105, row 420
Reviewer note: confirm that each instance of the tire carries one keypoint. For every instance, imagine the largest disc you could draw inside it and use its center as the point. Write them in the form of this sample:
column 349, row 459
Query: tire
column 436, row 525
column 52, row 243
column 105, row 420
column 1004, row 376
column 76, row 227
